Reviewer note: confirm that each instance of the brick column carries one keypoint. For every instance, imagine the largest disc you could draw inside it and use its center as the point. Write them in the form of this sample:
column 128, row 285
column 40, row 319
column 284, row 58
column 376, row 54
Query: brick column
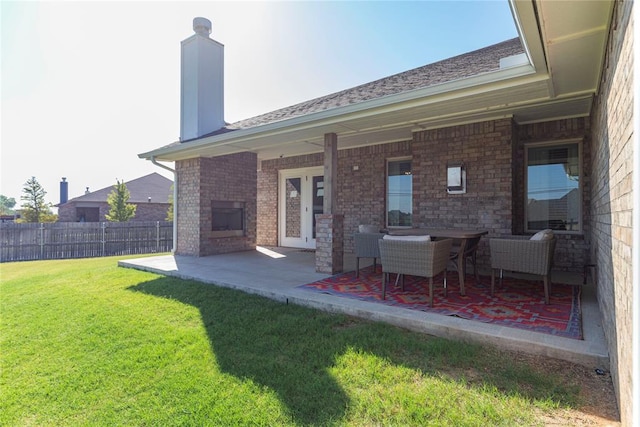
column 329, row 243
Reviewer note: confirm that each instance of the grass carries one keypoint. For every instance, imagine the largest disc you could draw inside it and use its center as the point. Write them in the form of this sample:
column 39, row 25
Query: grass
column 83, row 342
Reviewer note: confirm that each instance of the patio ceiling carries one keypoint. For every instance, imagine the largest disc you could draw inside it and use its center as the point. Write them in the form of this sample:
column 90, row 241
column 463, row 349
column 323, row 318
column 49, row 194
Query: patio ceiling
column 564, row 40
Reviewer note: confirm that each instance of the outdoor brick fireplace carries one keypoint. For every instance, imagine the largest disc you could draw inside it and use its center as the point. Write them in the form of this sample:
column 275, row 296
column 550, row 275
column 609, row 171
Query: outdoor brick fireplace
column 227, row 218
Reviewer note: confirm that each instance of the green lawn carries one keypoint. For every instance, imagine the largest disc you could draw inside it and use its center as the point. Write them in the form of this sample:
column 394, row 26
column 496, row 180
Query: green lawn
column 83, row 342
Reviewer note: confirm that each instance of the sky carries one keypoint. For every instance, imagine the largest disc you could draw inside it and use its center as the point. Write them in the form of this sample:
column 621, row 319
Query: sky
column 86, row 86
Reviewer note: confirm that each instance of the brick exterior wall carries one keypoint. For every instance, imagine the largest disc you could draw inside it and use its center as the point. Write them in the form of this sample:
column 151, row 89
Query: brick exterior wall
column 493, row 154
column 361, row 194
column 144, row 211
column 612, row 204
column 486, row 150
column 67, row 212
column 230, row 178
column 151, row 212
column 267, row 206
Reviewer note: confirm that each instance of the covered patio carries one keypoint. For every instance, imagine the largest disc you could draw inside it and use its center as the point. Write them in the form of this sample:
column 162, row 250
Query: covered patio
column 277, row 273
column 513, row 119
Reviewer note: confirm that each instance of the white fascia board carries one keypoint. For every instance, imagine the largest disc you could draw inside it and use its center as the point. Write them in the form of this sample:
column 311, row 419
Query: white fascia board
column 335, row 115
column 526, row 21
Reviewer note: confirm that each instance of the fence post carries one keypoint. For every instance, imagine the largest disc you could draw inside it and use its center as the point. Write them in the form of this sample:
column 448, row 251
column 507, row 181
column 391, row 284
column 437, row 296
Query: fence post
column 42, row 240
column 104, row 232
column 157, row 236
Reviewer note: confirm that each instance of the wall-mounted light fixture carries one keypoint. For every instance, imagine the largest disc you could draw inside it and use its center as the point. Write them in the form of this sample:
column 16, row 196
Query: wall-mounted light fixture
column 456, row 178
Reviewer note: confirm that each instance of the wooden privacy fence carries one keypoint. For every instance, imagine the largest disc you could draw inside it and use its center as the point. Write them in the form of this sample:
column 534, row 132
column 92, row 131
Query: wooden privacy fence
column 60, row 240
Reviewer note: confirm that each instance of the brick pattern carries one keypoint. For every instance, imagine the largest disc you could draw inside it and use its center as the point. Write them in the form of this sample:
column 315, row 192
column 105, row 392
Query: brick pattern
column 486, row 150
column 188, row 206
column 267, row 207
column 612, row 204
column 329, row 243
column 151, row 212
column 361, row 193
column 200, row 181
column 67, row 212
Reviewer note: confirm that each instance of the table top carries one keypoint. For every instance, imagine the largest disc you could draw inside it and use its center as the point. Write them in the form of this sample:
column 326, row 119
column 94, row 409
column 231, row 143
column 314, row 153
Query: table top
column 453, row 233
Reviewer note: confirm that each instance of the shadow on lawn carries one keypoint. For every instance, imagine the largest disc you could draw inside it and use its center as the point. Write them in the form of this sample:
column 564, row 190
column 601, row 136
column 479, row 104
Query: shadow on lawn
column 285, row 348
column 290, row 349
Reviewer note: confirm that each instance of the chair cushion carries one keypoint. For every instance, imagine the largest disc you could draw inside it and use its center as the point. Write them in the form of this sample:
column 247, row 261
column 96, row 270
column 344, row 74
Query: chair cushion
column 426, row 238
column 543, row 235
column 365, row 228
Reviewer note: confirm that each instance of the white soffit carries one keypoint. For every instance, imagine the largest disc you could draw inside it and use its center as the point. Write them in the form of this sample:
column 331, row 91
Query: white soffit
column 574, row 34
column 557, row 108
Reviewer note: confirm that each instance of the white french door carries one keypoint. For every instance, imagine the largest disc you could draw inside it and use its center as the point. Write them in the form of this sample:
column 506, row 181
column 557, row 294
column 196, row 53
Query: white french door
column 300, row 197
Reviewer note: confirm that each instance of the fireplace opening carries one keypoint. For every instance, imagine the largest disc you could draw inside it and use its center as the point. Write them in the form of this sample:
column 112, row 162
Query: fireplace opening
column 227, row 218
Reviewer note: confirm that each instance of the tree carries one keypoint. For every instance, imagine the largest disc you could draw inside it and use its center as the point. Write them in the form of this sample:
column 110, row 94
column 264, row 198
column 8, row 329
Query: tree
column 34, row 208
column 170, row 210
column 6, row 205
column 120, row 211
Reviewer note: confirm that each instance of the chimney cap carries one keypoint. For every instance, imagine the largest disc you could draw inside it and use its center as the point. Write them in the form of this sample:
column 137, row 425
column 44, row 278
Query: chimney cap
column 202, row 26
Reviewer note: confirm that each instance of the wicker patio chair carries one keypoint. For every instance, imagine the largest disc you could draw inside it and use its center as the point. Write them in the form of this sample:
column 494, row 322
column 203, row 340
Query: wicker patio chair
column 366, row 246
column 523, row 255
column 425, row 259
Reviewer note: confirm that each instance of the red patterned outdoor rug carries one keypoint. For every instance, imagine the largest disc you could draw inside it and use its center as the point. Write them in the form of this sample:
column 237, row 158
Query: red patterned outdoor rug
column 516, row 303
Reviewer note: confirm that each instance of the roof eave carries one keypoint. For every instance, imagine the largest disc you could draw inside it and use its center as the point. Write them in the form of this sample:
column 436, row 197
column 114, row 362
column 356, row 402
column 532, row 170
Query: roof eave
column 190, row 149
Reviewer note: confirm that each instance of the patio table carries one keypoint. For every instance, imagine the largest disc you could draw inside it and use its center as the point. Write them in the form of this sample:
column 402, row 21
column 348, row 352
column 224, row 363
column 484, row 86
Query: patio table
column 468, row 239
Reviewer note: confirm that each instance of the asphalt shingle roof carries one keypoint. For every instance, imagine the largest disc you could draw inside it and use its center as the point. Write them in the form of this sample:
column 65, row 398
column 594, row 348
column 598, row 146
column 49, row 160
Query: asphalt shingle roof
column 153, row 185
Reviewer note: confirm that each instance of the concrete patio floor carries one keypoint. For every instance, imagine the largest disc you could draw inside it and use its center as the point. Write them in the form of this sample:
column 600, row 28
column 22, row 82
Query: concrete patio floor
column 276, row 272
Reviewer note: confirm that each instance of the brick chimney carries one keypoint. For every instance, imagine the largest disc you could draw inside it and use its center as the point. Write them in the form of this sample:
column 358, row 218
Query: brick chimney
column 201, row 83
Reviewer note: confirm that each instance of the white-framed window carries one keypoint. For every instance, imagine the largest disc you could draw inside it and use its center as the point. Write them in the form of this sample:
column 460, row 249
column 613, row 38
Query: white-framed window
column 553, row 187
column 399, row 193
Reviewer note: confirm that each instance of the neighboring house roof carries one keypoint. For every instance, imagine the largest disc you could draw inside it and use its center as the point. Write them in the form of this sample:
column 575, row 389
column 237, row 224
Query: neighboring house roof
column 153, row 185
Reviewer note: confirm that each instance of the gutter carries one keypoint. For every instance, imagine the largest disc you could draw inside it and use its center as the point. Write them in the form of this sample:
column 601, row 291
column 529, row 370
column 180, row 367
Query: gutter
column 635, row 230
column 175, row 201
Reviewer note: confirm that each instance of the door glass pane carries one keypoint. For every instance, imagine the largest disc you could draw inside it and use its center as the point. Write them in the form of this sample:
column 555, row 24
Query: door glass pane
column 293, row 207
column 318, row 199
column 399, row 194
column 553, row 188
